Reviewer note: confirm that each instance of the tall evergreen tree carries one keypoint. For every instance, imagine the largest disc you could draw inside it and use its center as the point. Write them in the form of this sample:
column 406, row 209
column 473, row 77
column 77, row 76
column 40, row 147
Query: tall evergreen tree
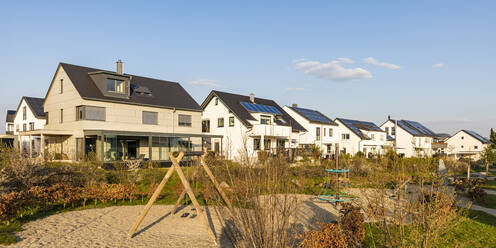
column 492, row 139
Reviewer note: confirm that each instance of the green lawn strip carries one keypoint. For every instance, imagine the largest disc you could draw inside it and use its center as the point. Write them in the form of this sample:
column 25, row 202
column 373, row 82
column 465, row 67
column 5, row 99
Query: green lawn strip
column 489, row 184
column 489, row 202
column 477, row 229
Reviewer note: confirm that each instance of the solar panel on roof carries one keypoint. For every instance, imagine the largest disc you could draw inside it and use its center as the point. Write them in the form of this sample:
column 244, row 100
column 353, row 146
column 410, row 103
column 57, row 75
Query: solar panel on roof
column 313, row 115
column 477, row 136
column 421, row 128
column 261, row 108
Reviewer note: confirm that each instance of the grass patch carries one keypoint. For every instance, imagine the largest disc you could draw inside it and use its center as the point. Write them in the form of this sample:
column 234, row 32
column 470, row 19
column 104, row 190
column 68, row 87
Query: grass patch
column 477, row 229
column 489, row 184
column 490, row 202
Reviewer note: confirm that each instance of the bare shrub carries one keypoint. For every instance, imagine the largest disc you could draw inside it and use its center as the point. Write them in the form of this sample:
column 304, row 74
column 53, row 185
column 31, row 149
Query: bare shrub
column 265, row 203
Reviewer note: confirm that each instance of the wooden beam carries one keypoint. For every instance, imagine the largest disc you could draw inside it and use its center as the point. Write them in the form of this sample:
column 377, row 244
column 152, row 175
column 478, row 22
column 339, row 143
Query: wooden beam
column 154, row 197
column 216, row 184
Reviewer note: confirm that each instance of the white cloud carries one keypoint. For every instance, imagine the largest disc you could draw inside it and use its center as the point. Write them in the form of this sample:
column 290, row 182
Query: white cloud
column 345, row 60
column 438, row 65
column 204, row 82
column 295, row 89
column 373, row 61
column 332, row 70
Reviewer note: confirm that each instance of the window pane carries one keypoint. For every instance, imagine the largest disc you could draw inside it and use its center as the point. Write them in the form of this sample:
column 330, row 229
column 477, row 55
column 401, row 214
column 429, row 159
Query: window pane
column 110, row 84
column 119, row 86
column 94, row 113
column 184, row 120
column 150, row 118
column 231, row 121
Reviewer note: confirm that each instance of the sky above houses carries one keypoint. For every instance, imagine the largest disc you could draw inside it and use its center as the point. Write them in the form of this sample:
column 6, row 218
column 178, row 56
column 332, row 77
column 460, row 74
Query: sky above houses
column 429, row 61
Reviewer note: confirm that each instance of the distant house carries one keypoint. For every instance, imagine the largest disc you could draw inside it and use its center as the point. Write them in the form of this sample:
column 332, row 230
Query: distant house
column 439, row 145
column 466, row 144
column 30, row 116
column 115, row 116
column 361, row 136
column 411, row 139
column 248, row 124
column 321, row 130
column 8, row 137
column 9, row 122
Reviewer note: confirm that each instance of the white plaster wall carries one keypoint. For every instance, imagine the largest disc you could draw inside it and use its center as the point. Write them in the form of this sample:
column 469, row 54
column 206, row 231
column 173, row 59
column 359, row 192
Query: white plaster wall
column 406, row 143
column 39, row 123
column 468, row 142
column 310, row 137
column 353, row 144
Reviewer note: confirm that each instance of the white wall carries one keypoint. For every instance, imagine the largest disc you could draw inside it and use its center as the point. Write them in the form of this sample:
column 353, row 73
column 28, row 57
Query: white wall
column 39, row 123
column 406, row 143
column 310, row 137
column 463, row 143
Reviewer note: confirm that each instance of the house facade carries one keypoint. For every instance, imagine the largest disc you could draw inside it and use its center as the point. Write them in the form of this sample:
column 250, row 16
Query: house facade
column 361, row 136
column 29, row 116
column 114, row 116
column 321, row 130
column 248, row 125
column 9, row 122
column 466, row 144
column 411, row 139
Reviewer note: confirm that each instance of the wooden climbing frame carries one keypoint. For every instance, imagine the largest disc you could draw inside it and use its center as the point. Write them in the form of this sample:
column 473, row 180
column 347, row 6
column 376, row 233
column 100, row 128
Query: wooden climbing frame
column 187, row 190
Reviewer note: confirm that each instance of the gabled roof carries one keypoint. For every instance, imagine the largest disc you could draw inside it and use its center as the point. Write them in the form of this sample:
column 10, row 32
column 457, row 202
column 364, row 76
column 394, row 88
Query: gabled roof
column 476, row 136
column 165, row 94
column 10, row 116
column 355, row 126
column 415, row 128
column 233, row 103
column 313, row 116
column 36, row 106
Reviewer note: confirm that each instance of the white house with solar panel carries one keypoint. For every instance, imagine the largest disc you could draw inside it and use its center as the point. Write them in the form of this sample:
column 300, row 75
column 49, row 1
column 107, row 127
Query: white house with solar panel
column 411, row 139
column 361, row 136
column 321, row 130
column 466, row 144
column 248, row 125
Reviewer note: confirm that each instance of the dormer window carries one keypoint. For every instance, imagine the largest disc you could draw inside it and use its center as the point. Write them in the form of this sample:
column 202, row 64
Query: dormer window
column 115, row 85
column 265, row 120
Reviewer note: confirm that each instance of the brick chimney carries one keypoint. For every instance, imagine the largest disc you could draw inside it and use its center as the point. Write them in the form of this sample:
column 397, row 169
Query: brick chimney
column 120, row 67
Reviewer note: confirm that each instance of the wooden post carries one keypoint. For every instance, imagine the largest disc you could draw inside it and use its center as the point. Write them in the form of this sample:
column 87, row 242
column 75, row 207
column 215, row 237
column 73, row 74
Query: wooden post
column 468, row 172
column 337, row 168
column 175, row 164
column 216, row 184
column 183, row 193
column 153, row 198
column 487, row 169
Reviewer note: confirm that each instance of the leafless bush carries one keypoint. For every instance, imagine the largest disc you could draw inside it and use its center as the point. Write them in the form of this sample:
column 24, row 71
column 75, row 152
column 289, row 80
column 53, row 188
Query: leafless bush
column 264, row 200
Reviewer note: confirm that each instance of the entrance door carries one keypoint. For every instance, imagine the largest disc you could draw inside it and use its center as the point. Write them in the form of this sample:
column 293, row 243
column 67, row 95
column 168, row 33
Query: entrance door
column 217, row 147
column 132, row 149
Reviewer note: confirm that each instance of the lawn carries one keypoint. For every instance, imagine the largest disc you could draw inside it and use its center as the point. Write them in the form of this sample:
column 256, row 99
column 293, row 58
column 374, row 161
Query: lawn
column 477, row 229
column 490, row 202
column 489, row 184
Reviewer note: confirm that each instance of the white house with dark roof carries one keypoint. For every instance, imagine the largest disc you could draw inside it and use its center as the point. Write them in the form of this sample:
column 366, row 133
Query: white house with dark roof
column 9, row 122
column 411, row 139
column 361, row 136
column 321, row 130
column 466, row 144
column 116, row 116
column 29, row 116
column 248, row 124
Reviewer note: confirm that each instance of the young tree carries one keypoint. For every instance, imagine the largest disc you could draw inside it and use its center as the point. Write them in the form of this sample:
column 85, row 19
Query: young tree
column 488, row 156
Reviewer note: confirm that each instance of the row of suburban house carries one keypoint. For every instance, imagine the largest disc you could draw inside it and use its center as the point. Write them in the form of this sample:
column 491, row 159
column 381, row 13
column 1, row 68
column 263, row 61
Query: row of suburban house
column 115, row 116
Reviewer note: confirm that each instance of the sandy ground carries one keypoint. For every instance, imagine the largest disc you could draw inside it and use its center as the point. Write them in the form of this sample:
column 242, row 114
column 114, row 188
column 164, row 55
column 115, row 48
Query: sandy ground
column 108, row 227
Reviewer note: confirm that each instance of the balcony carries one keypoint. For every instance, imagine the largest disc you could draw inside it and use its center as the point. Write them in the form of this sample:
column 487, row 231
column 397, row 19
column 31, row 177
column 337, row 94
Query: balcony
column 9, row 132
column 270, row 130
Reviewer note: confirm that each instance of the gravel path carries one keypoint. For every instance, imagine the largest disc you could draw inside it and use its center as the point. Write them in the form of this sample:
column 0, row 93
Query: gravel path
column 108, row 227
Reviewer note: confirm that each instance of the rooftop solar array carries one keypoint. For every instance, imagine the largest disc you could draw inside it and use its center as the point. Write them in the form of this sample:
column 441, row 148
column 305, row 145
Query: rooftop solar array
column 355, row 126
column 477, row 136
column 313, row 115
column 416, row 128
column 261, row 108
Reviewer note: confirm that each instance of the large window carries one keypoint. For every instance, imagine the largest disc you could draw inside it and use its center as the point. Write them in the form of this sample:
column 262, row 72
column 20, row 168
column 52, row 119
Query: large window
column 317, row 133
column 115, row 85
column 330, row 132
column 220, row 122
column 231, row 121
column 265, row 120
column 184, row 120
column 24, row 114
column 90, row 113
column 150, row 118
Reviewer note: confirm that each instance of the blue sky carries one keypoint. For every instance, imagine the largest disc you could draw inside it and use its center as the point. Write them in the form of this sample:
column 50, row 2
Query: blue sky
column 430, row 61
